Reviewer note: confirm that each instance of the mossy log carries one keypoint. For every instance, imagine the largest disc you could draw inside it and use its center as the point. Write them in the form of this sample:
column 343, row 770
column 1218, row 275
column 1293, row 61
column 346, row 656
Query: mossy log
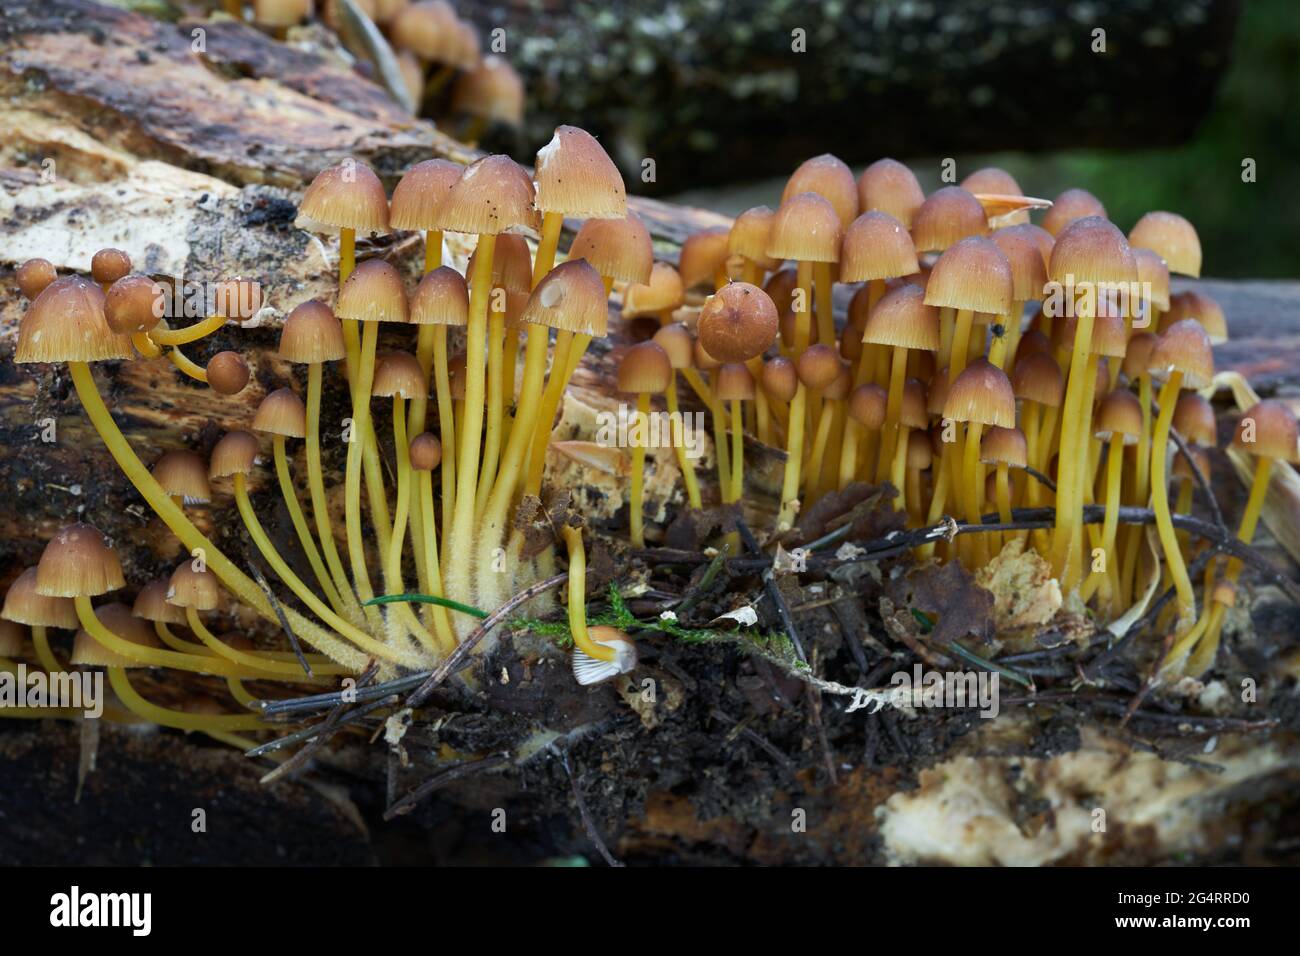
column 195, row 171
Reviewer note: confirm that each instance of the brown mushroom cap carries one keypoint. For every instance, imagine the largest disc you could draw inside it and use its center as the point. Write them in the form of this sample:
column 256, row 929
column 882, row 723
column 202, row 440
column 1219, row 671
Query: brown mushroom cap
column 1137, row 358
column 133, row 304
column 1153, row 274
column 818, row 366
column 738, row 322
column 426, row 452
column 66, row 323
column 703, row 360
column 749, row 236
column 374, row 292
column 1109, row 336
column 938, row 392
column 281, row 413
column 827, row 176
column 971, row 274
column 399, row 374
column 1091, row 250
column 890, row 187
column 806, row 228
column 492, row 196
column 25, row 605
column 1274, row 428
column 619, row 249
column 735, row 383
column 1037, row 378
column 228, row 373
column 77, row 562
column 1003, row 445
column 645, row 369
column 867, row 404
column 429, row 29
column 1185, row 347
column 780, row 287
column 151, row 604
column 779, row 379
column 109, row 265
column 1171, row 237
column 441, row 298
column 992, row 179
column 34, row 275
column 189, row 587
column 913, row 412
column 1071, row 205
column 1194, row 304
column 676, row 339
column 570, row 297
column 981, row 393
column 1023, row 252
column 491, row 90
column 184, row 473
column 702, row 255
column 346, row 196
column 919, row 452
column 235, row 453
column 947, row 216
column 237, row 298
column 1120, row 413
column 876, row 246
column 903, row 320
column 662, row 293
column 312, row 334
column 576, row 177
column 419, row 192
column 88, row 652
column 1194, row 419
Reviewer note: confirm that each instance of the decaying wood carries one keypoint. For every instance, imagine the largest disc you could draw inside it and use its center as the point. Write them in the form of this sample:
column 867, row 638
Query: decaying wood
column 193, row 164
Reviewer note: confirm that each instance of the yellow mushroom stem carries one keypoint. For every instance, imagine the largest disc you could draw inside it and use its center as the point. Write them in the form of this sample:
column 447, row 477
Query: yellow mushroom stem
column 1074, row 418
column 793, row 460
column 893, row 408
column 1141, row 491
column 196, row 372
column 825, row 309
column 319, row 502
column 635, row 502
column 191, row 333
column 812, row 467
column 153, row 656
column 737, row 451
column 242, row 586
column 347, row 630
column 460, row 539
column 544, row 260
column 429, row 542
column 446, row 426
column 1081, row 474
column 1160, row 500
column 495, row 406
column 402, row 613
column 1110, row 524
column 290, row 494
column 352, row 474
column 974, row 493
column 684, row 462
column 898, row 468
column 1208, row 645
column 261, row 667
column 569, row 350
column 578, row 596
column 144, row 345
column 177, row 719
column 44, row 656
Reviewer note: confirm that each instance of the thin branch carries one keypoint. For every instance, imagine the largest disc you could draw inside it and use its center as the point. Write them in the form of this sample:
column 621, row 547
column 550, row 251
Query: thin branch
column 773, row 592
column 326, row 730
column 279, row 612
column 458, row 658
column 588, row 823
column 441, row 779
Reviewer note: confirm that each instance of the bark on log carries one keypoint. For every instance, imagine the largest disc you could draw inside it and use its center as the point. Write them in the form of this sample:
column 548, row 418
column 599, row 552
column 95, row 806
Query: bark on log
column 713, row 91
column 196, row 172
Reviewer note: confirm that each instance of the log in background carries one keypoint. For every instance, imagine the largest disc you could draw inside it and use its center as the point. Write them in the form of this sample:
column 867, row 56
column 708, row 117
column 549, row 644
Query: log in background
column 193, row 163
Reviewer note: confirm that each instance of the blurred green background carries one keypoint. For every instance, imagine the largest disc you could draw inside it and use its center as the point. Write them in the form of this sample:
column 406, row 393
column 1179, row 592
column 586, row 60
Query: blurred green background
column 1247, row 229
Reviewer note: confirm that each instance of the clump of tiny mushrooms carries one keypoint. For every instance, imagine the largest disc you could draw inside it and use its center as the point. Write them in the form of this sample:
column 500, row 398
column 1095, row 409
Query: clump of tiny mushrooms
column 935, row 383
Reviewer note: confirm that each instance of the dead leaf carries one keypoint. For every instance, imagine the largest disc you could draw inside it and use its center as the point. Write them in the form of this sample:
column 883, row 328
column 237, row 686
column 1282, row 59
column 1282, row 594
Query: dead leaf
column 1024, row 592
column 864, row 506
column 948, row 595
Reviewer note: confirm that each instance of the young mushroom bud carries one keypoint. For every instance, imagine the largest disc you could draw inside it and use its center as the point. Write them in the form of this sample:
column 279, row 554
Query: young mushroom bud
column 737, row 323
column 33, row 276
column 109, row 265
column 426, row 452
column 132, row 304
column 183, row 474
column 227, row 373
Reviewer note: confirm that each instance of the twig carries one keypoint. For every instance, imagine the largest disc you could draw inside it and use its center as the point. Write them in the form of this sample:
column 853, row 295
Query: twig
column 706, row 580
column 588, row 823
column 441, row 779
column 1041, row 478
column 1201, row 481
column 279, row 613
column 307, row 733
column 754, row 737
column 326, row 730
column 456, row 660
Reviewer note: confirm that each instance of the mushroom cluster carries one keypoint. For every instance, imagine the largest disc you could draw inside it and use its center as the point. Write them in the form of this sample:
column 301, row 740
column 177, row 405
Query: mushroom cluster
column 934, row 388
